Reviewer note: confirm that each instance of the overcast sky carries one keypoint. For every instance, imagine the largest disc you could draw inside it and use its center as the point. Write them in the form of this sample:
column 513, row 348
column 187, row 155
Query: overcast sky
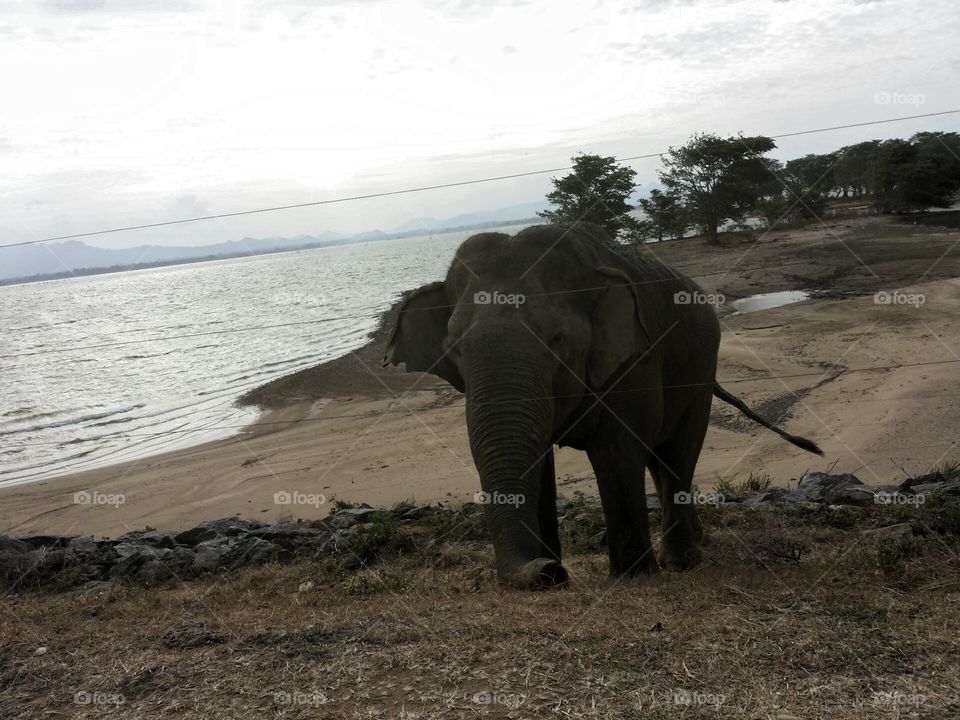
column 116, row 112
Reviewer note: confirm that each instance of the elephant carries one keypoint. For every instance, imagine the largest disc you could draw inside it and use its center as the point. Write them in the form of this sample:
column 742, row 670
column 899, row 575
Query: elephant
column 559, row 335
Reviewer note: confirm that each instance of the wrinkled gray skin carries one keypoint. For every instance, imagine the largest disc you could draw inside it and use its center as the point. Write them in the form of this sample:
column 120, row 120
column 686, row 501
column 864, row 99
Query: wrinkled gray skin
column 598, row 357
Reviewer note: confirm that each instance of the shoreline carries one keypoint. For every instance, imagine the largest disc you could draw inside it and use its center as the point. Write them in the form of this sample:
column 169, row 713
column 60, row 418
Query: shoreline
column 337, row 429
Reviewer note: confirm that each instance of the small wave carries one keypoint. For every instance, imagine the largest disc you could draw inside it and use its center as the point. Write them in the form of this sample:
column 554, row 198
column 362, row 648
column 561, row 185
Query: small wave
column 72, row 420
column 143, row 357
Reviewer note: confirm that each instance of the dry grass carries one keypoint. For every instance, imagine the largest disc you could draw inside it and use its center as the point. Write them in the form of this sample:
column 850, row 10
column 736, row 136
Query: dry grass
column 812, row 614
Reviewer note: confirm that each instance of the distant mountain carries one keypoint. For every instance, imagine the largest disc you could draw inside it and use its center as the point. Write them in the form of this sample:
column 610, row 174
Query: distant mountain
column 73, row 257
column 67, row 257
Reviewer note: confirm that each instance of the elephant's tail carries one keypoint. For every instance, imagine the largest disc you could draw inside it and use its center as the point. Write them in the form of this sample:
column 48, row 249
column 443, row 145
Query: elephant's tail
column 800, row 442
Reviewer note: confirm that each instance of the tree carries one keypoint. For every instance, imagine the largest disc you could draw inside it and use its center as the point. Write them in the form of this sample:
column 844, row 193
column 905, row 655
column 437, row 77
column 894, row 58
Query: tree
column 854, row 171
column 918, row 173
column 718, row 179
column 596, row 191
column 814, row 172
column 665, row 217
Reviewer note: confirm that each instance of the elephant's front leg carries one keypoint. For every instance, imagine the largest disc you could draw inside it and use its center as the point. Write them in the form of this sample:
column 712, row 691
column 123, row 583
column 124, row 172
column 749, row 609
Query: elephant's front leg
column 547, row 509
column 619, row 461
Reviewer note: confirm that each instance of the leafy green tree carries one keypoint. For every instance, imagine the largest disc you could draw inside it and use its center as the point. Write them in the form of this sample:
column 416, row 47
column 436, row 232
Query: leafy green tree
column 665, row 217
column 718, row 179
column 855, row 169
column 918, row 173
column 596, row 191
column 814, row 172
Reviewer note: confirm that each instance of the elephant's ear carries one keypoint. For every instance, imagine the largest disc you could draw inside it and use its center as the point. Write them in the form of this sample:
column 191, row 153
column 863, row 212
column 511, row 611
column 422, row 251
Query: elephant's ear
column 620, row 333
column 417, row 338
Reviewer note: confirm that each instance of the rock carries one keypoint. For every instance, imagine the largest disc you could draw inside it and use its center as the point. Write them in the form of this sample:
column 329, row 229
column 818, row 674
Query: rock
column 40, row 651
column 563, row 504
column 211, row 529
column 927, row 479
column 12, row 546
column 337, row 541
column 415, row 513
column 731, row 497
column 153, row 538
column 653, row 502
column 154, row 572
column 79, row 547
column 45, row 541
column 133, row 556
column 180, row 560
column 197, row 535
column 949, row 488
column 305, row 586
column 252, row 551
column 775, row 495
column 349, row 517
column 209, row 554
column 293, row 536
column 816, row 485
column 843, row 494
column 127, row 549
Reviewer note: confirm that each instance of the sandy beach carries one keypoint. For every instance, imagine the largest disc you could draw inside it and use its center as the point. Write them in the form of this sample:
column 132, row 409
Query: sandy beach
column 352, row 430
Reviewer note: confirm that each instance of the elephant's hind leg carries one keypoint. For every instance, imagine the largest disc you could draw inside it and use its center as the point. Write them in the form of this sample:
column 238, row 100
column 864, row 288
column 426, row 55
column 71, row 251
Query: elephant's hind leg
column 672, row 467
column 619, row 461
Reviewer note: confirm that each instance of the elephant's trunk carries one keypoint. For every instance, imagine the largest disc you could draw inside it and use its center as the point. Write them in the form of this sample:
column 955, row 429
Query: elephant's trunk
column 509, row 418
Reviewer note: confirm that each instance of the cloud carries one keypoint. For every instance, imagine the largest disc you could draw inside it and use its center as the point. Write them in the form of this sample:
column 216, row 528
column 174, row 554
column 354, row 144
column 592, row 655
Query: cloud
column 79, row 7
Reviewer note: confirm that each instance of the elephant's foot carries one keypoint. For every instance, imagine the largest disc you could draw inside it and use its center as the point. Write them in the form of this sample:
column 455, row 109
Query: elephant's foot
column 681, row 558
column 539, row 574
column 645, row 564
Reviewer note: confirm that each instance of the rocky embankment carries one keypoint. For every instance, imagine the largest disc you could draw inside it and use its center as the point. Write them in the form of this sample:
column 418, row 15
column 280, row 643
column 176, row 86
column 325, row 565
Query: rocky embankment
column 355, row 535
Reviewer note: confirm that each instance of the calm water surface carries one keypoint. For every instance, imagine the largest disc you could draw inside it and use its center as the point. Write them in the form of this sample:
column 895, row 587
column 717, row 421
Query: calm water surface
column 103, row 369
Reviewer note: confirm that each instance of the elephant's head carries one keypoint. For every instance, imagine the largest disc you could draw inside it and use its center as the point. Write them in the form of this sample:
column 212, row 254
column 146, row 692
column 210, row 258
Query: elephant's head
column 528, row 327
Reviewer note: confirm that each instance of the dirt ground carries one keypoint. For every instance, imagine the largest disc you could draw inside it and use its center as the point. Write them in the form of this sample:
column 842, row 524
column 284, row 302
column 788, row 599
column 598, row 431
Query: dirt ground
column 355, row 431
column 815, row 613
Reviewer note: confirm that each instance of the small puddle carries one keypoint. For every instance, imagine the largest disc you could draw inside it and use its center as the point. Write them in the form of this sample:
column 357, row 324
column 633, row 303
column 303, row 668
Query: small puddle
column 766, row 301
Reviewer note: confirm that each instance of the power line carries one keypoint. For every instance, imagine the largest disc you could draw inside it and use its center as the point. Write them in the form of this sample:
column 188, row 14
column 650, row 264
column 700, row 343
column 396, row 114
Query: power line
column 424, row 188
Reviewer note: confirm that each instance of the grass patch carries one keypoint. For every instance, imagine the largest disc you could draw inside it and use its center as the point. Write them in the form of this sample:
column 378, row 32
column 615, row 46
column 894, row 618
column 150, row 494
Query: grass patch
column 754, row 484
column 949, row 469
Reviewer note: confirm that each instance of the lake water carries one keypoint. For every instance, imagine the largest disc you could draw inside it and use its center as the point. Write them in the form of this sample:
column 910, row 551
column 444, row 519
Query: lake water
column 108, row 368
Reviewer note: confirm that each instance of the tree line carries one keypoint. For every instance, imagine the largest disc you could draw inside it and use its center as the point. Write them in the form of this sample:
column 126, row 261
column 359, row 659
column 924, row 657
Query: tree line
column 711, row 181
